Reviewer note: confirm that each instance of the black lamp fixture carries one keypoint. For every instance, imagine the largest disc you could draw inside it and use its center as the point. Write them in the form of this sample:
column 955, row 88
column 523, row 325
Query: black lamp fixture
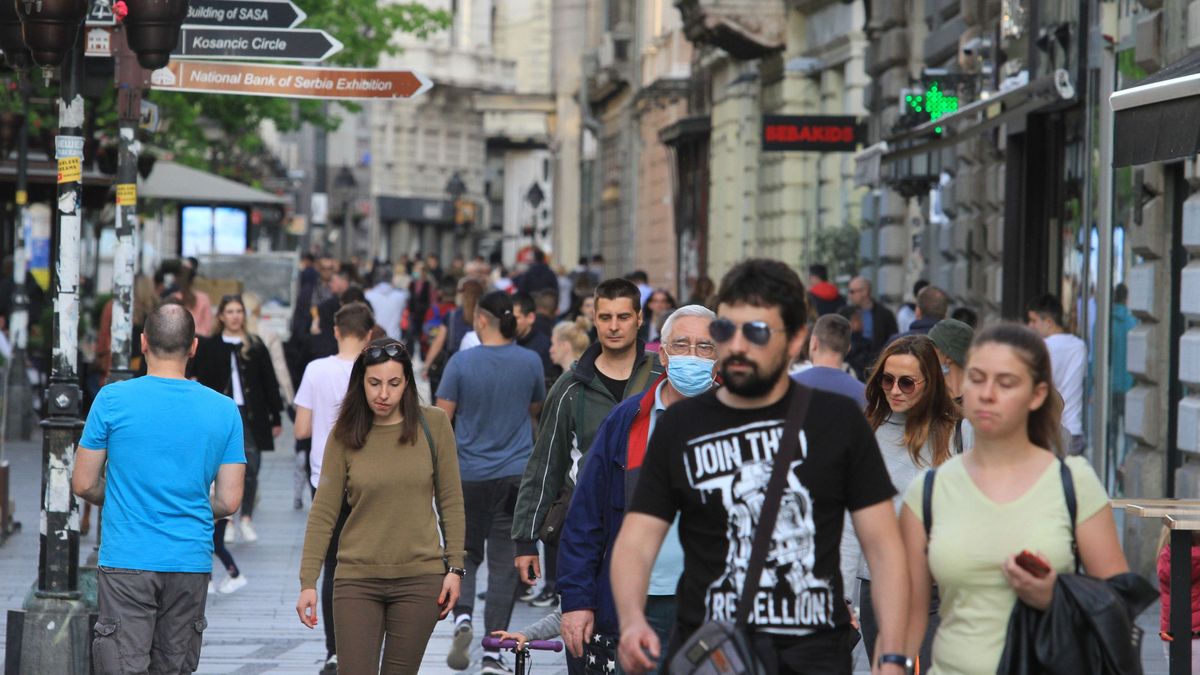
column 11, row 41
column 456, row 187
column 152, row 28
column 50, row 28
column 535, row 196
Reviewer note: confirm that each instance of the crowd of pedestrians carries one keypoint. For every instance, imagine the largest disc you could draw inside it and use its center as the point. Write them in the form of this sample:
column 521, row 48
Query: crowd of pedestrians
column 745, row 478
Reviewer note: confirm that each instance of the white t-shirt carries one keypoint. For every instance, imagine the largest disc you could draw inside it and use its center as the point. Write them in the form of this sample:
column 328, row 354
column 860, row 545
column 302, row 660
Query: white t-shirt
column 235, row 381
column 471, row 339
column 321, row 391
column 388, row 305
column 1068, row 361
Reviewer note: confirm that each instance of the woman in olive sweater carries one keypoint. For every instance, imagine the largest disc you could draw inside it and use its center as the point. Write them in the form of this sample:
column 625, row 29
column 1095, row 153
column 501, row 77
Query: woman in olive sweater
column 391, row 460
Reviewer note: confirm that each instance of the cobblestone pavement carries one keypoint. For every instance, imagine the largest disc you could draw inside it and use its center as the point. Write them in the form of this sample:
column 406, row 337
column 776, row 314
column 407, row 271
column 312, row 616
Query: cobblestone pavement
column 255, row 630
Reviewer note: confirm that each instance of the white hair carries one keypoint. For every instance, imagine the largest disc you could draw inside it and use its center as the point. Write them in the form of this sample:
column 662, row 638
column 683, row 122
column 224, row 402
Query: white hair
column 698, row 311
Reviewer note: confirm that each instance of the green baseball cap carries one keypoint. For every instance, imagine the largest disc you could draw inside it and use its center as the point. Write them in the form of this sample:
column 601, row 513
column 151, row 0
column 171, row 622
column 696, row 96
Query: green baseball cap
column 952, row 338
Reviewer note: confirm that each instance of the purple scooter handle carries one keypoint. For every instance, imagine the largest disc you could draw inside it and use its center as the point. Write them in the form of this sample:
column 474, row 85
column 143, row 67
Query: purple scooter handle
column 540, row 645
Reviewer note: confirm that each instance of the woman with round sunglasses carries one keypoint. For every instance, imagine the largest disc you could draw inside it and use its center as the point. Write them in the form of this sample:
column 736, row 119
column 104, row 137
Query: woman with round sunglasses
column 914, row 417
column 1000, row 498
column 401, row 554
column 236, row 362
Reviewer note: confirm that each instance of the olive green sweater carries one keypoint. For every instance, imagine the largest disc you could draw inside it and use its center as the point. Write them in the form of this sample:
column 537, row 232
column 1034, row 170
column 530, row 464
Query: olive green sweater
column 392, row 531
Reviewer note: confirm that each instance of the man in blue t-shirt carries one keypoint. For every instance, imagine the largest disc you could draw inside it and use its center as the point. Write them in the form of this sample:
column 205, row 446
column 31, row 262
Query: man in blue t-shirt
column 828, row 346
column 493, row 394
column 150, row 451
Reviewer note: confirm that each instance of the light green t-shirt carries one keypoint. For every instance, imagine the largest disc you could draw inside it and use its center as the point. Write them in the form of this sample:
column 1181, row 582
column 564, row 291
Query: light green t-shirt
column 971, row 537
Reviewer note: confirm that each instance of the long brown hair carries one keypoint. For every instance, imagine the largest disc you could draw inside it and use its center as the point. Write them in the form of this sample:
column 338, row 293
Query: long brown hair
column 933, row 417
column 355, row 418
column 250, row 339
column 1045, row 423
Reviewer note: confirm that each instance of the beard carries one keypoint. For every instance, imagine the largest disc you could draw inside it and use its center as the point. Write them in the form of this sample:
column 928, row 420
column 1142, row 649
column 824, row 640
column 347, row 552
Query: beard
column 754, row 383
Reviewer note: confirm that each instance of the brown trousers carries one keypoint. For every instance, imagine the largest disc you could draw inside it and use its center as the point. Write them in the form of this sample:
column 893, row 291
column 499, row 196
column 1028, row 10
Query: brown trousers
column 365, row 610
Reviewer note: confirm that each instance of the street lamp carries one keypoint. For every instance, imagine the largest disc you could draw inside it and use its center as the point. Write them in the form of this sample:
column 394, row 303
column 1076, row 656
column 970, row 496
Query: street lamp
column 152, row 28
column 11, row 41
column 50, row 27
column 456, row 187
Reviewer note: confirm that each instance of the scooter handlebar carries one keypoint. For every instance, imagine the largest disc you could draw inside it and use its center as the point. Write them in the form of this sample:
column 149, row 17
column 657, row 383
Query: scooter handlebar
column 539, row 645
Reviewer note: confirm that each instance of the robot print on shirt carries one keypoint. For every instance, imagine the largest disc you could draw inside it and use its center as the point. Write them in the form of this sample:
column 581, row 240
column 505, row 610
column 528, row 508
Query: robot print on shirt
column 735, row 464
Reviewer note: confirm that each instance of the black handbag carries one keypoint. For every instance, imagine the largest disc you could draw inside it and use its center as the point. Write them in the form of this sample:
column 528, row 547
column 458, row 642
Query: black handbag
column 721, row 647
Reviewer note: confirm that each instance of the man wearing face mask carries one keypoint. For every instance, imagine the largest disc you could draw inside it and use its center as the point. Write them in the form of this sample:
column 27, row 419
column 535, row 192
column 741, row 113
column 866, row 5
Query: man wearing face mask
column 952, row 339
column 606, row 483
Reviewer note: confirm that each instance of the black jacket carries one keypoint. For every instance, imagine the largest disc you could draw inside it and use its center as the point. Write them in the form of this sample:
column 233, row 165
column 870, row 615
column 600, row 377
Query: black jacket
column 260, row 389
column 1086, row 629
column 884, row 326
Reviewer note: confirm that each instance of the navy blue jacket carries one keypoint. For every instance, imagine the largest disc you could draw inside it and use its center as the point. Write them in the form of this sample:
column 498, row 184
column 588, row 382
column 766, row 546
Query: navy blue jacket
column 597, row 509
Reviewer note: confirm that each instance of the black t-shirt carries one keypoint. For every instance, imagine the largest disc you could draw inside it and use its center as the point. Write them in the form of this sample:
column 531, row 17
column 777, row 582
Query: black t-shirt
column 614, row 387
column 712, row 463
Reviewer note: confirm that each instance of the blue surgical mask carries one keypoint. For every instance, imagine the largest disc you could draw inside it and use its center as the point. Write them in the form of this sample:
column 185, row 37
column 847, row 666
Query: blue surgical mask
column 690, row 375
column 945, row 370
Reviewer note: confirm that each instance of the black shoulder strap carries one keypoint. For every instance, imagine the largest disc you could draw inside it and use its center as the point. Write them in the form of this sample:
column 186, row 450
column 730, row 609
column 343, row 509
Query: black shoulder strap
column 927, row 502
column 765, row 528
column 958, row 437
column 436, row 486
column 1068, row 483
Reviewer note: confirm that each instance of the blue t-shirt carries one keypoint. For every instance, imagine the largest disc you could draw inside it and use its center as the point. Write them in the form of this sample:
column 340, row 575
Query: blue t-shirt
column 493, row 387
column 868, row 323
column 165, row 439
column 834, row 381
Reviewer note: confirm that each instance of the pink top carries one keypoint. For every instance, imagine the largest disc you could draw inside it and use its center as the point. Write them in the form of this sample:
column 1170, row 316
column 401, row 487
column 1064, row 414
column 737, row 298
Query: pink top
column 202, row 313
column 1164, row 585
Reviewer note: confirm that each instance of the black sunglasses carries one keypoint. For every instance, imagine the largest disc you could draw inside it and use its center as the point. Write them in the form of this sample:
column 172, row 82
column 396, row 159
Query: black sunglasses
column 907, row 384
column 394, row 350
column 757, row 332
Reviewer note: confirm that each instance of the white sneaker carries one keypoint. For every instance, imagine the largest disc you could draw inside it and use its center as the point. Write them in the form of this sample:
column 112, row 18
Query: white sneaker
column 230, row 584
column 247, row 530
column 229, row 536
column 211, row 589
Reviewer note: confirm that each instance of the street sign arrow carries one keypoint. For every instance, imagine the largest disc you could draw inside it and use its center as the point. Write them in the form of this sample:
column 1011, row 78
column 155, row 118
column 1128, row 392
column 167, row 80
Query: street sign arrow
column 258, row 44
column 256, row 79
column 244, row 13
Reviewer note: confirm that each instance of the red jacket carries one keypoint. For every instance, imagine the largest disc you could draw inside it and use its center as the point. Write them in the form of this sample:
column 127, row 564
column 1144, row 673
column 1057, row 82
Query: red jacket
column 1164, row 587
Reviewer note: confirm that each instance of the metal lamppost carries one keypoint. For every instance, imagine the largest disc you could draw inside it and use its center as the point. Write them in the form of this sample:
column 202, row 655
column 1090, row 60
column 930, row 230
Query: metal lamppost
column 131, row 78
column 455, row 188
column 18, row 410
column 55, row 630
column 345, row 188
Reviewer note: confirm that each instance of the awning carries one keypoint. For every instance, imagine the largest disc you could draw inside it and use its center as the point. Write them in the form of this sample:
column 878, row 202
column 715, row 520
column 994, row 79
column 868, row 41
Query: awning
column 1159, row 117
column 415, row 210
column 171, row 181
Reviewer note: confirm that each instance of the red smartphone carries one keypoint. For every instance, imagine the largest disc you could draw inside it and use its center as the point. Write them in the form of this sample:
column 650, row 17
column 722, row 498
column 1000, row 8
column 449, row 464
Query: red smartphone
column 1033, row 564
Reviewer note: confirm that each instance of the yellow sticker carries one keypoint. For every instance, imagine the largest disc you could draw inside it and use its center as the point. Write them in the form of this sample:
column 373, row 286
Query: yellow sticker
column 22, row 197
column 127, row 194
column 70, row 170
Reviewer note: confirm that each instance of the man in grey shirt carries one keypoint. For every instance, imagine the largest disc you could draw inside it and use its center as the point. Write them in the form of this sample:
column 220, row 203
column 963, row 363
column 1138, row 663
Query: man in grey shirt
column 828, row 346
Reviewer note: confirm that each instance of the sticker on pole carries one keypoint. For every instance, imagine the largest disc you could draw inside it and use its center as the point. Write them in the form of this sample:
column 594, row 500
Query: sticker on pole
column 70, row 170
column 127, row 194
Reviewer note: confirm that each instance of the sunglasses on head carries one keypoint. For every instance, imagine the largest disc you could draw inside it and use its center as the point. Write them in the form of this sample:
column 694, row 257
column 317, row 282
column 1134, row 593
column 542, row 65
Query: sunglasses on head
column 907, row 384
column 394, row 350
column 756, row 332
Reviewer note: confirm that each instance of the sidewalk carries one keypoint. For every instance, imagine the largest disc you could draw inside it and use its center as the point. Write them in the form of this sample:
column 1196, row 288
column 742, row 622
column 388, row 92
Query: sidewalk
column 256, row 630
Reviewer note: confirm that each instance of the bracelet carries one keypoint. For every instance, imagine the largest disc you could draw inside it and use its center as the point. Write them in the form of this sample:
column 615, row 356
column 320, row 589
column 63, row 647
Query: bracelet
column 456, row 570
column 896, row 660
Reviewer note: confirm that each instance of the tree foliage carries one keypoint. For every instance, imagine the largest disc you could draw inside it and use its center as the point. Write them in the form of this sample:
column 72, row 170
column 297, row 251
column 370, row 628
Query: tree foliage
column 365, row 27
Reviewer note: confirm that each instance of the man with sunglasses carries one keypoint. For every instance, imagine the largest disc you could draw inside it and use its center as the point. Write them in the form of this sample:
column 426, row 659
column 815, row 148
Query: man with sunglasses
column 615, row 368
column 710, row 459
column 606, row 483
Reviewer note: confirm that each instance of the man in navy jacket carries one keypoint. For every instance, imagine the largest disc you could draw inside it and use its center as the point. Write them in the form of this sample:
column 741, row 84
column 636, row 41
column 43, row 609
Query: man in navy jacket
column 607, row 481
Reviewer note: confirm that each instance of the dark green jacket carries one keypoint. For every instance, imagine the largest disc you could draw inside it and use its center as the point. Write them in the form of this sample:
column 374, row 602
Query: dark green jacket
column 575, row 406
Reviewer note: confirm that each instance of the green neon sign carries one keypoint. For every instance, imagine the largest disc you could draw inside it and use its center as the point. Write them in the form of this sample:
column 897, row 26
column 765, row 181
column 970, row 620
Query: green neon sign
column 933, row 103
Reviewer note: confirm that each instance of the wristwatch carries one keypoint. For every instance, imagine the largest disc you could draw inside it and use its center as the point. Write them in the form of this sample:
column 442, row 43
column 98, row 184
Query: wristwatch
column 897, row 660
column 456, row 570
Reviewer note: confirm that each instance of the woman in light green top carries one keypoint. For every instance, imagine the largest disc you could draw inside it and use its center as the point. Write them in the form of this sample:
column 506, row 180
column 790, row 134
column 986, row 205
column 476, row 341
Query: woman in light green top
column 1001, row 497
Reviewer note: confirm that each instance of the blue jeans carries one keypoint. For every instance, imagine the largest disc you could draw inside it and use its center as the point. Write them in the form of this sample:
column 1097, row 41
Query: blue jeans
column 660, row 614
